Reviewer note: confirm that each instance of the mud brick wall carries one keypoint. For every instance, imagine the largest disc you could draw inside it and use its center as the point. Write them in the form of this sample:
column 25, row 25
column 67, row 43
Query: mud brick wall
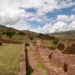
column 71, row 70
column 10, row 41
column 70, row 59
column 58, row 60
column 43, row 56
column 55, row 71
column 22, row 69
column 51, row 70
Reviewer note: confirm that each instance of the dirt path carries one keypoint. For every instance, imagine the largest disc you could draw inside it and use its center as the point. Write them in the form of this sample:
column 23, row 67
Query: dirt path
column 35, row 66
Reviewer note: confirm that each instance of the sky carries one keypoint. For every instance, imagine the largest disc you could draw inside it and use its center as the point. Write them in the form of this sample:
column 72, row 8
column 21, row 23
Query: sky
column 42, row 16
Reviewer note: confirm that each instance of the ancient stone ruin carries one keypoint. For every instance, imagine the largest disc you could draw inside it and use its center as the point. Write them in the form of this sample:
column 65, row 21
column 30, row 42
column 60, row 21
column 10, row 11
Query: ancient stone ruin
column 69, row 49
column 55, row 62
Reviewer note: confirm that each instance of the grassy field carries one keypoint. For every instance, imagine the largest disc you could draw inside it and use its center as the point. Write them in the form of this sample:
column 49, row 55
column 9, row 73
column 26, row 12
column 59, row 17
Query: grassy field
column 48, row 43
column 9, row 59
column 16, row 37
column 25, row 38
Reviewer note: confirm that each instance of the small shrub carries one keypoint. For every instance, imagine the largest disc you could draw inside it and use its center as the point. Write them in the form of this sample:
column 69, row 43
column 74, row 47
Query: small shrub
column 55, row 41
column 10, row 34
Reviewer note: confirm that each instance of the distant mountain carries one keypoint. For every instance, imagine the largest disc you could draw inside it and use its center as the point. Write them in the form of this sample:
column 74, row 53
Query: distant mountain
column 4, row 29
column 65, row 32
column 65, row 35
column 23, row 33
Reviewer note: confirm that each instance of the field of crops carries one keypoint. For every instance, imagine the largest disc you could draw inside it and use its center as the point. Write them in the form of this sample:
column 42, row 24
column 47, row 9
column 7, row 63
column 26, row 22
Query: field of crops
column 9, row 59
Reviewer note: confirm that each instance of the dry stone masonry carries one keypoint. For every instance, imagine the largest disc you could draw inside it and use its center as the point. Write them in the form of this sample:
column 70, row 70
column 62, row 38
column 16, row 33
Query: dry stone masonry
column 55, row 62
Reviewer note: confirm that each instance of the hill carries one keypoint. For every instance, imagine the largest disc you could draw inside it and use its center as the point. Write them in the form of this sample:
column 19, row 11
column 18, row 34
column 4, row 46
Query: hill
column 21, row 35
column 65, row 35
column 26, row 36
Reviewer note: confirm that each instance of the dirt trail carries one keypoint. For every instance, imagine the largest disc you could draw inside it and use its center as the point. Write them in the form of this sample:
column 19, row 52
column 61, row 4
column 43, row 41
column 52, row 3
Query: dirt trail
column 35, row 67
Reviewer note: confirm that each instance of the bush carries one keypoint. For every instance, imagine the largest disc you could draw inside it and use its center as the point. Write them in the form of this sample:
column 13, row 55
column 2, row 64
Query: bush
column 55, row 41
column 10, row 34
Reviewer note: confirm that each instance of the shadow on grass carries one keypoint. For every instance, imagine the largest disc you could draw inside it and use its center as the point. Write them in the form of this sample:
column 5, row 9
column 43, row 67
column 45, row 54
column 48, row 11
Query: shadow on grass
column 29, row 70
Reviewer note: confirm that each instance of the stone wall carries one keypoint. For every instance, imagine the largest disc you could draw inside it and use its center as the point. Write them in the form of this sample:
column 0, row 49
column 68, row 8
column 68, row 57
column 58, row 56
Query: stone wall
column 22, row 69
column 54, row 61
column 43, row 55
column 71, row 69
column 58, row 60
column 70, row 58
column 10, row 41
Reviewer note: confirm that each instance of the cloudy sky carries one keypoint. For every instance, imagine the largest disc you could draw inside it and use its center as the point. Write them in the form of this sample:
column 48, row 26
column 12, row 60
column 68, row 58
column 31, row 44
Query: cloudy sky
column 45, row 16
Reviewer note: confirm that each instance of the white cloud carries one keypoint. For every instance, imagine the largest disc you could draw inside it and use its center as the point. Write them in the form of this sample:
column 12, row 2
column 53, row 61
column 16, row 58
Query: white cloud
column 45, row 29
column 56, row 27
column 21, row 25
column 10, row 12
column 42, row 6
column 65, row 18
column 72, row 25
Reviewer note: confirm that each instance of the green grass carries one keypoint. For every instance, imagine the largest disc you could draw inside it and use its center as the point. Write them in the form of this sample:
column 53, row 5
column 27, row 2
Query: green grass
column 17, row 37
column 40, row 65
column 48, row 43
column 24, row 38
column 9, row 59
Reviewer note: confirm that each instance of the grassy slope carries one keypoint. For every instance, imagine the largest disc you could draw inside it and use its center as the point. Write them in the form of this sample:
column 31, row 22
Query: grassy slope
column 9, row 59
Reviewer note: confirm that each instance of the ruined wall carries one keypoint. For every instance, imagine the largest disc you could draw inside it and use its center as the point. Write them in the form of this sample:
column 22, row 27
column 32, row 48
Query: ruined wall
column 58, row 60
column 22, row 69
column 43, row 56
column 10, row 41
column 55, row 62
column 70, row 58
column 71, row 69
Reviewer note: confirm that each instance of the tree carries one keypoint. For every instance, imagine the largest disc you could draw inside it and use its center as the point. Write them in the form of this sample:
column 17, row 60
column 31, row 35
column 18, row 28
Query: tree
column 55, row 41
column 10, row 34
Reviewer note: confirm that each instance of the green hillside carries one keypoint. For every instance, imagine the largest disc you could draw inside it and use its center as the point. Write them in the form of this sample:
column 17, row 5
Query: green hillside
column 65, row 35
column 26, row 35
